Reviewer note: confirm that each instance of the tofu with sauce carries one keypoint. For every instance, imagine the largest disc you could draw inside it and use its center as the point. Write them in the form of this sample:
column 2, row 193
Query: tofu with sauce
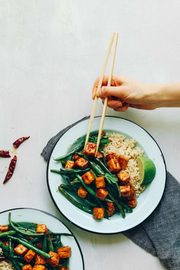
column 69, row 164
column 88, row 177
column 113, row 165
column 100, row 182
column 82, row 193
column 81, row 163
column 90, row 149
column 102, row 193
column 98, row 213
column 64, row 252
column 123, row 177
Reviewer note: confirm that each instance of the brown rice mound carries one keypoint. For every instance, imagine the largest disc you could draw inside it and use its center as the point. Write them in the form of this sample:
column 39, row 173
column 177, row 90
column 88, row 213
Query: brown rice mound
column 126, row 146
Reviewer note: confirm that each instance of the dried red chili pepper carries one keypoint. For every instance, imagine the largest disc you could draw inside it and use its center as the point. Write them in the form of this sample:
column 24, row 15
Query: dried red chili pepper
column 11, row 169
column 17, row 143
column 4, row 154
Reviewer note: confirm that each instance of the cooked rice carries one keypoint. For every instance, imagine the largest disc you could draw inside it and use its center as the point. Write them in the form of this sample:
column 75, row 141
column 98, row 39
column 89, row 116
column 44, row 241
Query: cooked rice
column 5, row 266
column 122, row 145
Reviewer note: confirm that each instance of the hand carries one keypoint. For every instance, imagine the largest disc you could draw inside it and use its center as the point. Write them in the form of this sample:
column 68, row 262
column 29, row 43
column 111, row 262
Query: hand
column 124, row 93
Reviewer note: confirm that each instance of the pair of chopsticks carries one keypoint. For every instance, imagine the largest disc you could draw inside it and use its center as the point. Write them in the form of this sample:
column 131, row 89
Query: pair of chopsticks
column 111, row 50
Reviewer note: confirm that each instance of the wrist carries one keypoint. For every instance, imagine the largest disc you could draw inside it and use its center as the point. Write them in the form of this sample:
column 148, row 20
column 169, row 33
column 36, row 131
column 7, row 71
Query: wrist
column 163, row 95
column 153, row 95
column 169, row 95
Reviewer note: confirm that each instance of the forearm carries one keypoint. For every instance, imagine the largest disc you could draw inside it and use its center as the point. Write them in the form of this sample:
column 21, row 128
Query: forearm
column 126, row 92
column 165, row 95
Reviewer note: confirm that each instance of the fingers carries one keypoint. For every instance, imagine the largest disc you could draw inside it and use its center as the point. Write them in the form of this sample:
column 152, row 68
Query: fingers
column 117, row 105
column 114, row 104
column 119, row 92
column 122, row 109
column 115, row 81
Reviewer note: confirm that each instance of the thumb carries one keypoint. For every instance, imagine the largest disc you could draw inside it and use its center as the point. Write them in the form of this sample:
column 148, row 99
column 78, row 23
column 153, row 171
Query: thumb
column 119, row 92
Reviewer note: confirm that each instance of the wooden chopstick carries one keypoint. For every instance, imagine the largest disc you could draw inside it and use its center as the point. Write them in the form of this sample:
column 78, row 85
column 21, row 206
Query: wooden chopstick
column 106, row 99
column 99, row 86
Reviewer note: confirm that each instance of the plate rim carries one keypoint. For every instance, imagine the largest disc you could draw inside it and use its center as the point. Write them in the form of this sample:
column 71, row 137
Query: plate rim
column 47, row 178
column 51, row 215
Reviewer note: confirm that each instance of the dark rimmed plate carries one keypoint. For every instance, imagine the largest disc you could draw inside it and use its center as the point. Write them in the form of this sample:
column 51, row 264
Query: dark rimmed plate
column 54, row 224
column 147, row 201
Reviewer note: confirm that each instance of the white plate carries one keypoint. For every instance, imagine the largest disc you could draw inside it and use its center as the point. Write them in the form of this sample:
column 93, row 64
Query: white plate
column 76, row 261
column 147, row 201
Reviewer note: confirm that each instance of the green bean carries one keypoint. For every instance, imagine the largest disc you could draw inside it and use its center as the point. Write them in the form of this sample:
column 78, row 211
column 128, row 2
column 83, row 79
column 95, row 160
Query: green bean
column 126, row 207
column 100, row 163
column 29, row 225
column 4, row 247
column 78, row 148
column 73, row 201
column 89, row 189
column 44, row 244
column 4, row 234
column 112, row 179
column 74, row 182
column 68, row 188
column 57, row 243
column 22, row 230
column 68, row 172
column 96, row 168
column 28, row 245
column 50, row 244
column 118, row 205
column 10, row 248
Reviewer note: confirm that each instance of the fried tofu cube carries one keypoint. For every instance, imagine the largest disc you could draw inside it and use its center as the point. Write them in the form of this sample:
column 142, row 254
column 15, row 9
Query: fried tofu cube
column 69, row 164
column 113, row 165
column 29, row 256
column 88, row 177
column 98, row 213
column 64, row 252
column 54, row 260
column 39, row 267
column 132, row 202
column 4, row 228
column 100, row 182
column 110, row 209
column 125, row 191
column 90, row 149
column 102, row 193
column 123, row 177
column 27, row 267
column 20, row 249
column 123, row 161
column 81, row 163
column 39, row 260
column 82, row 192
column 41, row 228
column 111, row 155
